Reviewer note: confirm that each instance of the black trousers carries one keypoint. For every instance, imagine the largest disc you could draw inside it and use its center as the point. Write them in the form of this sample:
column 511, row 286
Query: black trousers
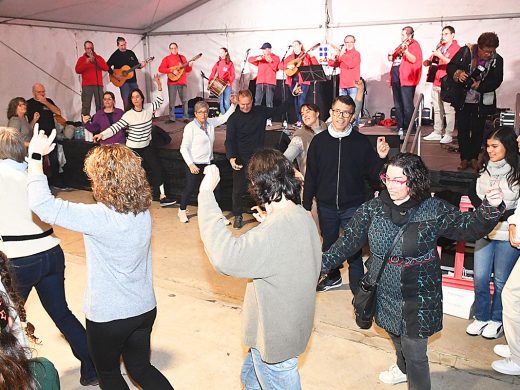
column 239, row 190
column 151, row 165
column 413, row 360
column 129, row 337
column 470, row 126
column 192, row 183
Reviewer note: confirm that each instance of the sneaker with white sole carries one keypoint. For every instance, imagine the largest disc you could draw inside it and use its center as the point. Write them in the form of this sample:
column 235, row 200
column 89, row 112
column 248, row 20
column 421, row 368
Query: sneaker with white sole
column 269, row 123
column 393, row 376
column 400, row 133
column 433, row 137
column 493, row 330
column 502, row 350
column 506, row 366
column 166, row 202
column 182, row 216
column 476, row 327
column 447, row 139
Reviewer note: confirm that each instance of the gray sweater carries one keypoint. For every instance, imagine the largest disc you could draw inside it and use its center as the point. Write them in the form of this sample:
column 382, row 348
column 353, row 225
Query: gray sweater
column 118, row 251
column 282, row 257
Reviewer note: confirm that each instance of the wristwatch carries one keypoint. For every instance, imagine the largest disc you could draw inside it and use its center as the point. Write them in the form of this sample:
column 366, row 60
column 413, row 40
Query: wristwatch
column 36, row 156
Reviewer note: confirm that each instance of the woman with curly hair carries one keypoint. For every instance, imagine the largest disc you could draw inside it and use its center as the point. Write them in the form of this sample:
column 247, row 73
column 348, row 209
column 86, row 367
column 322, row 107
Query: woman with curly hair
column 18, row 370
column 409, row 292
column 281, row 259
column 494, row 253
column 119, row 301
column 36, row 258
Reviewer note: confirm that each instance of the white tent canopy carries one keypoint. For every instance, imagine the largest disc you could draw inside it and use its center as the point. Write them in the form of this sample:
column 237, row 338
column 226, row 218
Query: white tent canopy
column 41, row 41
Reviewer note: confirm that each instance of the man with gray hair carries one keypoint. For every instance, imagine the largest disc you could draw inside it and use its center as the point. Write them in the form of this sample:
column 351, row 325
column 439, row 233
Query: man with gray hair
column 197, row 149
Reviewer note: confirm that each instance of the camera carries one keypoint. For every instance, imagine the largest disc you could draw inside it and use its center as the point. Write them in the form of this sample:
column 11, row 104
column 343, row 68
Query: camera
column 476, row 74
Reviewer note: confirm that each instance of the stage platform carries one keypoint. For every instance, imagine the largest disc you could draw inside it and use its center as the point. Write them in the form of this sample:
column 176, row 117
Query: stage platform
column 439, row 159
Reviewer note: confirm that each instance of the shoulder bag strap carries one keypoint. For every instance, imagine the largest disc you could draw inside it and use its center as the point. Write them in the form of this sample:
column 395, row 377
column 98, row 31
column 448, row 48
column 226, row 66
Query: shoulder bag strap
column 394, row 243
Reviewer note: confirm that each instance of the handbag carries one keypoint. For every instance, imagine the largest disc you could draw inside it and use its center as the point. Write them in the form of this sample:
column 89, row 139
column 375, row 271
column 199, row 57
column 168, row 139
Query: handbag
column 364, row 301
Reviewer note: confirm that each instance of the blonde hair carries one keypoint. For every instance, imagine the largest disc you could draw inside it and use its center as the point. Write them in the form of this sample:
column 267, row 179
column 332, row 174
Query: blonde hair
column 118, row 179
column 11, row 145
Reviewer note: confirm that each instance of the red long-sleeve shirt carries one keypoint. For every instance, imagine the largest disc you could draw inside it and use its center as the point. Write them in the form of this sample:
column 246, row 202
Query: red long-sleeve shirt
column 266, row 70
column 410, row 74
column 89, row 70
column 173, row 60
column 441, row 70
column 350, row 66
column 307, row 60
column 224, row 71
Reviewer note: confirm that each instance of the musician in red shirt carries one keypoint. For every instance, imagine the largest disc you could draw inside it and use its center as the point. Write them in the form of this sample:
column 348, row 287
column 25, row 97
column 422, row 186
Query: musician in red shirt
column 442, row 55
column 170, row 65
column 224, row 70
column 291, row 81
column 267, row 64
column 91, row 66
column 404, row 76
column 349, row 63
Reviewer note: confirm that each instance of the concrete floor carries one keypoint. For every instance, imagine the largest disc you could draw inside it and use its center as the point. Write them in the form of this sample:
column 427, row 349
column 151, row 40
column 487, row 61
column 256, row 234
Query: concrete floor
column 196, row 340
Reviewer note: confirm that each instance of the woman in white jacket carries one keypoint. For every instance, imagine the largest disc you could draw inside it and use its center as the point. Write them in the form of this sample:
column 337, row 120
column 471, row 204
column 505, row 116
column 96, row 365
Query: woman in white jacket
column 494, row 253
column 197, row 150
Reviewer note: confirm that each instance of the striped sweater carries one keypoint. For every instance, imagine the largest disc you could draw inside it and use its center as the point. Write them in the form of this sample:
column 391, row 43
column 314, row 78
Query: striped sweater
column 139, row 124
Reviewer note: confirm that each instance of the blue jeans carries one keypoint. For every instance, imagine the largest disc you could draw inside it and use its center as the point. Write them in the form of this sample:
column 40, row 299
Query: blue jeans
column 259, row 375
column 267, row 90
column 499, row 258
column 224, row 99
column 403, row 103
column 300, row 99
column 45, row 272
column 352, row 92
column 125, row 91
column 331, row 219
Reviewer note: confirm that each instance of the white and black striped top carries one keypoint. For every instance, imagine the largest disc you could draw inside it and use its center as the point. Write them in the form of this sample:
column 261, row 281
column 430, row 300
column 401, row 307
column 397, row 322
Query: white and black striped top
column 139, row 124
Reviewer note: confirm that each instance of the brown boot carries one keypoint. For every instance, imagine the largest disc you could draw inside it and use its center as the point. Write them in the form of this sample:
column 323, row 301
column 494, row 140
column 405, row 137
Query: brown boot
column 464, row 164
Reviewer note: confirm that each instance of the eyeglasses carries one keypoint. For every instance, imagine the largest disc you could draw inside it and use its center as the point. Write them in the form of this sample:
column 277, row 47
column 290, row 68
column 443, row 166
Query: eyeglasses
column 386, row 180
column 201, row 112
column 342, row 114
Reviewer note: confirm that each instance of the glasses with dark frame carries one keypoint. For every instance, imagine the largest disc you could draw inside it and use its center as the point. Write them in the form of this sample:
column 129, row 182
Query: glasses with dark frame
column 387, row 180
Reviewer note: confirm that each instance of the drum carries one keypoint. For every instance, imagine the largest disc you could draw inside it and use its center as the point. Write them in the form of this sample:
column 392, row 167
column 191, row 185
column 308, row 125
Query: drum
column 217, row 86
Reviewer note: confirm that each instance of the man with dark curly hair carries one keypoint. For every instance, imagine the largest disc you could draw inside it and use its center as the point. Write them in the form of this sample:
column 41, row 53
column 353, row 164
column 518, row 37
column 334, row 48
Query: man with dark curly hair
column 281, row 259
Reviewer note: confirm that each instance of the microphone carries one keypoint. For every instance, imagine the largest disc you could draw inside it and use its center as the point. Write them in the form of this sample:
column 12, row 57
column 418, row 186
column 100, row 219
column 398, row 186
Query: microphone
column 289, row 46
column 341, row 46
column 248, row 50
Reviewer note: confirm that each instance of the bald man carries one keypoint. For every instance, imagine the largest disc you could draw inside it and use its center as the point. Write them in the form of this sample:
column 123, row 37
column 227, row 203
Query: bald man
column 43, row 108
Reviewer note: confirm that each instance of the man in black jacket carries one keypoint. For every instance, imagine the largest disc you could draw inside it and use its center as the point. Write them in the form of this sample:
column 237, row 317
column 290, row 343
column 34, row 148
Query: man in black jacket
column 478, row 71
column 338, row 161
column 245, row 134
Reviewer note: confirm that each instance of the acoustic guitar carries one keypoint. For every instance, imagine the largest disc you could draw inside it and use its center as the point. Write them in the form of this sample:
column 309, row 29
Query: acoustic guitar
column 297, row 62
column 126, row 72
column 433, row 64
column 178, row 70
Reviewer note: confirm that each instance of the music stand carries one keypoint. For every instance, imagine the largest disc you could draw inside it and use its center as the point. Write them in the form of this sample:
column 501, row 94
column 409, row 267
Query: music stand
column 314, row 73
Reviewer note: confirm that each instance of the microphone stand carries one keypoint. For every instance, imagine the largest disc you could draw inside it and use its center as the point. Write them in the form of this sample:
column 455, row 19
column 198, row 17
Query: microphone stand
column 241, row 81
column 97, row 85
column 286, row 114
column 202, row 77
column 336, row 63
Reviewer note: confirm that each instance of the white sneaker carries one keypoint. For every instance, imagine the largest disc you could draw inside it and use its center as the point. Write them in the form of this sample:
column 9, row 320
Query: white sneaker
column 502, row 350
column 400, row 133
column 476, row 327
column 506, row 366
column 393, row 376
column 268, row 123
column 433, row 137
column 447, row 139
column 182, row 216
column 493, row 330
